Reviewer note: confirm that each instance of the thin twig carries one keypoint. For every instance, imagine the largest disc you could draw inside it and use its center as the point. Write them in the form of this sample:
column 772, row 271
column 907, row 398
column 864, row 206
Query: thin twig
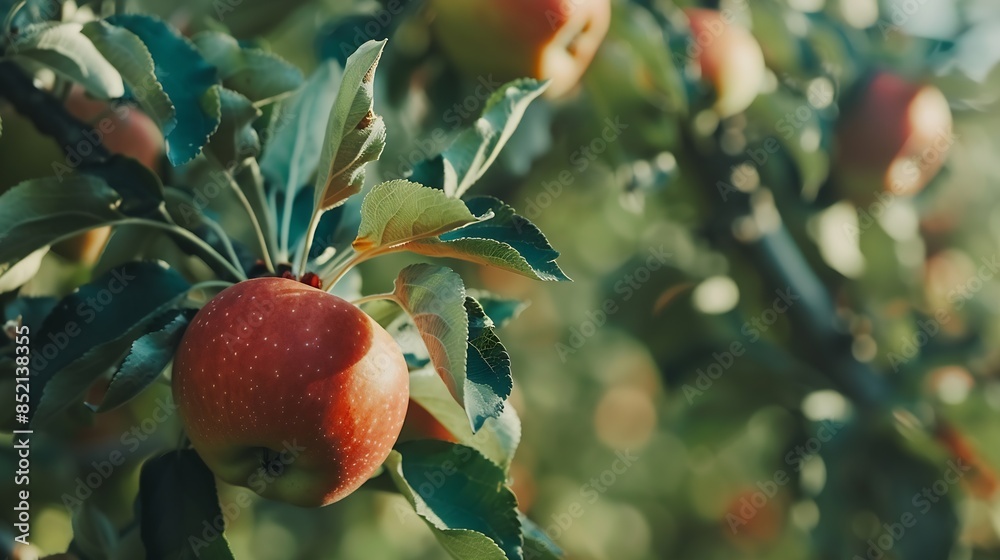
column 209, row 254
column 248, row 208
column 374, row 297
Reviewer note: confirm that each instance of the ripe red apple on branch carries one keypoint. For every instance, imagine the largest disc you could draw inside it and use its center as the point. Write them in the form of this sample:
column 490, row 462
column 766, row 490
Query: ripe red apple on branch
column 290, row 391
column 542, row 39
column 894, row 139
column 729, row 57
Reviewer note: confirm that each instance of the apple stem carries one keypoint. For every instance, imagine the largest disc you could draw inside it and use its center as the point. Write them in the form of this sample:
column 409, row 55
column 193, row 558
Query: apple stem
column 338, row 273
column 374, row 297
column 310, row 234
column 264, row 250
column 291, row 189
column 270, row 461
column 210, row 284
column 208, row 253
column 226, row 242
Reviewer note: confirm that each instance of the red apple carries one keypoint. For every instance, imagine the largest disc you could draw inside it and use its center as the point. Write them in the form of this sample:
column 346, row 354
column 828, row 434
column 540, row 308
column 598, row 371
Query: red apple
column 420, row 424
column 894, row 139
column 290, row 391
column 124, row 130
column 729, row 57
column 508, row 39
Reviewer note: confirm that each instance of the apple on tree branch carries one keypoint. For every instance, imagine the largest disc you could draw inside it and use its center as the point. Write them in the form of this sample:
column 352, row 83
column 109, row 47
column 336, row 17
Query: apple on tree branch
column 282, row 387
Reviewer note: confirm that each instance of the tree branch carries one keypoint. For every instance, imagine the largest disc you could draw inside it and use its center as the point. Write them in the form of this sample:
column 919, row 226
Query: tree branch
column 783, row 266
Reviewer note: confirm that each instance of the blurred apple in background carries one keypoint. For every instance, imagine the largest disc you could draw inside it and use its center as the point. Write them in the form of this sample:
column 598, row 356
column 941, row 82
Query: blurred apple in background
column 124, row 130
column 509, row 39
column 893, row 139
column 729, row 57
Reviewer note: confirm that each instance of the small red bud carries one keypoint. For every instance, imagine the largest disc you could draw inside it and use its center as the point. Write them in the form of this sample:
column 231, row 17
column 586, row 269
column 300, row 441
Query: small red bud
column 312, row 279
column 288, row 274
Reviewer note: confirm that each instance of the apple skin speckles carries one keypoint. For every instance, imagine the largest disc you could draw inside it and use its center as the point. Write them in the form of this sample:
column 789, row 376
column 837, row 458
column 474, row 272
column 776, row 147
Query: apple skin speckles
column 276, row 376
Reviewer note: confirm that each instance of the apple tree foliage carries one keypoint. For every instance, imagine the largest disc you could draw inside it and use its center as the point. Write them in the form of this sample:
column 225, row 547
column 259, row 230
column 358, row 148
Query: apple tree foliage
column 292, row 151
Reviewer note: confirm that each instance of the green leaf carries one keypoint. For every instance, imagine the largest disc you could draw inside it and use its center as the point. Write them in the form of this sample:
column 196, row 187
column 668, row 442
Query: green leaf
column 497, row 440
column 187, row 78
column 488, row 380
column 129, row 55
column 477, row 147
column 398, row 212
column 94, row 535
column 505, row 240
column 292, row 152
column 434, row 297
column 68, row 52
column 355, row 135
column 235, row 140
column 255, row 73
column 149, row 356
column 92, row 329
column 39, row 212
column 138, row 185
column 462, row 498
column 499, row 309
column 179, row 511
